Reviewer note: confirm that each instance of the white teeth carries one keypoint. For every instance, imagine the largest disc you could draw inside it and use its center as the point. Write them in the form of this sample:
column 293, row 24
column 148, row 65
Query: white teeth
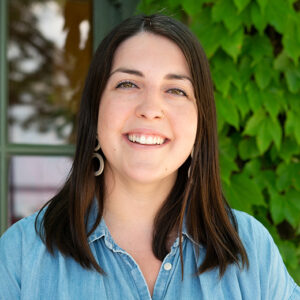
column 146, row 140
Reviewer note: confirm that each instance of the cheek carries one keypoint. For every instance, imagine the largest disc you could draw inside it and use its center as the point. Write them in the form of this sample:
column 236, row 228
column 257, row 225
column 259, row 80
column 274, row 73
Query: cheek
column 185, row 123
column 108, row 111
column 111, row 117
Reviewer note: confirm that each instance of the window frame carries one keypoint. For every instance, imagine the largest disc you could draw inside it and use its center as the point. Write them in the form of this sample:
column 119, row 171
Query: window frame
column 106, row 14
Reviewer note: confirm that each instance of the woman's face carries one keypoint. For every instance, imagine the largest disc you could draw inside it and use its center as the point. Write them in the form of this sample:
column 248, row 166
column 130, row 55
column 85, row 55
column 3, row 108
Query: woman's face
column 147, row 118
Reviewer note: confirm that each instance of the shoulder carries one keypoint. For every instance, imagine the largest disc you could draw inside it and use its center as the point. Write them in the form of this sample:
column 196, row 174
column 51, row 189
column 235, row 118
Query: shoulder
column 256, row 239
column 21, row 235
column 20, row 245
column 245, row 220
column 250, row 229
column 264, row 258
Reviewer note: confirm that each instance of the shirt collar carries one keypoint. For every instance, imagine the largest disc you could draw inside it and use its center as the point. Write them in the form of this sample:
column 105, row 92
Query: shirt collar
column 101, row 230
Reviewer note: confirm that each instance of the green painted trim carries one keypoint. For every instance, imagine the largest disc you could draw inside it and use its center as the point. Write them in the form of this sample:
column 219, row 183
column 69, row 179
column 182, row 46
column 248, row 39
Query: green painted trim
column 107, row 14
column 29, row 149
column 3, row 117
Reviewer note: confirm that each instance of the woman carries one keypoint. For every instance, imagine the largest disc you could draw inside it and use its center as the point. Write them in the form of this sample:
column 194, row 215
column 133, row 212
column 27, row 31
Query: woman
column 142, row 214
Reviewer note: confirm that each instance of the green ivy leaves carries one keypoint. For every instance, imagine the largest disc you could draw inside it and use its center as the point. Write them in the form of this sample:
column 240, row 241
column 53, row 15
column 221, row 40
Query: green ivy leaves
column 265, row 129
column 253, row 48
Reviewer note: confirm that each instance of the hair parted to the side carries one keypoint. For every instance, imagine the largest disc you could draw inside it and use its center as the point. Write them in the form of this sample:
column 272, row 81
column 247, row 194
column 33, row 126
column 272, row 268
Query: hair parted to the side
column 209, row 218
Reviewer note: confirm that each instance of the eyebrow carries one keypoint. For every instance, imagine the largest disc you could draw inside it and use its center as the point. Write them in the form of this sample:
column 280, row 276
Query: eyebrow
column 140, row 74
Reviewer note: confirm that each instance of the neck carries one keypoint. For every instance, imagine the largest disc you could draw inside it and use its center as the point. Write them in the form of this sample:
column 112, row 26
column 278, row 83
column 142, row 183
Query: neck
column 132, row 204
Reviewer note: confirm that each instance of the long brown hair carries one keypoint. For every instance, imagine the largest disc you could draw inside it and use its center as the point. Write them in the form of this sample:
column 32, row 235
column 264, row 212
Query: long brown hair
column 209, row 218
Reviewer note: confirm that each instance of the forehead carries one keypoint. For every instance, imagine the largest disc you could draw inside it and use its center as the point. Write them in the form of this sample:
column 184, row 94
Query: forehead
column 148, row 51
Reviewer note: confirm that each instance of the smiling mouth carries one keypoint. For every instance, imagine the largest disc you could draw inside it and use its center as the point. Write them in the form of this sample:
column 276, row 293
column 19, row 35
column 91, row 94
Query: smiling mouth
column 146, row 139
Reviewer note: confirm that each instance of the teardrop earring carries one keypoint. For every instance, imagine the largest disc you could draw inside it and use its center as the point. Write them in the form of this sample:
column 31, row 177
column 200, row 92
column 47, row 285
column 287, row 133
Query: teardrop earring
column 100, row 159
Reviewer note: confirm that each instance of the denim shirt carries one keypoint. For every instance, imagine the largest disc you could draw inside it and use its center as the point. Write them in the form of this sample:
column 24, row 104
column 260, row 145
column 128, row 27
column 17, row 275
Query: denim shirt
column 29, row 272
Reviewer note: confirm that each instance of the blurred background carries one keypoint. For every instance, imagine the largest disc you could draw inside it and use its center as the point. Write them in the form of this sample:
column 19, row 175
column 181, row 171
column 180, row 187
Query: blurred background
column 253, row 47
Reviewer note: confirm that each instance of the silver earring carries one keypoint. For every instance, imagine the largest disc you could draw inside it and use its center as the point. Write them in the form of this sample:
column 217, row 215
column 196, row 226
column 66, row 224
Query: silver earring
column 189, row 170
column 98, row 145
column 100, row 159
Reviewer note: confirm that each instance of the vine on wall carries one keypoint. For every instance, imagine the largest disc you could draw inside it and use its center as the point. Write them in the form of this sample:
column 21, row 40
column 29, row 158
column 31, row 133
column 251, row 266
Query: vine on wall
column 253, row 47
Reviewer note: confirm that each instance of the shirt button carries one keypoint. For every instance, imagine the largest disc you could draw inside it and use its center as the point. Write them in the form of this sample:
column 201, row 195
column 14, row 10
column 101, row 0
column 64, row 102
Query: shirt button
column 167, row 266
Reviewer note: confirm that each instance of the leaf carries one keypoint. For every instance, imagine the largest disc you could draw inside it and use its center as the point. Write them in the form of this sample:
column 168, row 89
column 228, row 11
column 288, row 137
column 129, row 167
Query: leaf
column 253, row 166
column 277, row 208
column 288, row 176
column 227, row 109
column 276, row 131
column 282, row 62
column 241, row 101
column 271, row 100
column 284, row 179
column 245, row 16
column 233, row 44
column 286, row 207
column 275, row 10
column 269, row 131
column 244, row 69
column 262, row 4
column 293, row 79
column 227, row 166
column 292, row 207
column 293, row 102
column 263, row 73
column 242, row 193
column 190, row 6
column 228, row 154
column 258, row 47
column 274, row 154
column 225, row 11
column 248, row 148
column 220, row 123
column 175, row 3
column 288, row 252
column 241, row 4
column 224, row 72
column 266, row 179
column 222, row 81
column 264, row 136
column 258, row 18
column 254, row 123
column 288, row 149
column 227, row 146
column 254, row 96
column 292, row 125
column 150, row 6
column 209, row 33
column 291, row 40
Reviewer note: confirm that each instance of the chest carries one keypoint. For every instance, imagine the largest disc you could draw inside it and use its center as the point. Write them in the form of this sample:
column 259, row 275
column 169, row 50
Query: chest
column 62, row 278
column 123, row 277
column 149, row 266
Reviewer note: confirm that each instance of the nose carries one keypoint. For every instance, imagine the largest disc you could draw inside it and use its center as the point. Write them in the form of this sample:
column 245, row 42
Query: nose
column 150, row 107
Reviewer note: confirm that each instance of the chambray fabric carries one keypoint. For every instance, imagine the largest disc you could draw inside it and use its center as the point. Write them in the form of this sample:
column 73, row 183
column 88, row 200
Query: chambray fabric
column 29, row 272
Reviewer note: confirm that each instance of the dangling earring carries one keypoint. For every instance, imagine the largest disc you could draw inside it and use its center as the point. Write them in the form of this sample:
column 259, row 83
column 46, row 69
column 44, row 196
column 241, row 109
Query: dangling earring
column 100, row 159
column 189, row 170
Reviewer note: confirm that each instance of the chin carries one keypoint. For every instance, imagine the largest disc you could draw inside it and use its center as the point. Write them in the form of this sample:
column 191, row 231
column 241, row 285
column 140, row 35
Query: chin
column 148, row 177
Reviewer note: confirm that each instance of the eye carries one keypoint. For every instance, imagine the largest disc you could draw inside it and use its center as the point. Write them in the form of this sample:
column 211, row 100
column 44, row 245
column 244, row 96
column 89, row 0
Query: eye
column 177, row 92
column 125, row 85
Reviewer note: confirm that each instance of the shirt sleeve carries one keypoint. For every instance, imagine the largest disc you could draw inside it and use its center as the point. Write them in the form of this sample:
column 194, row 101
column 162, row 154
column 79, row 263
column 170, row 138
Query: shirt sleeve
column 10, row 264
column 275, row 279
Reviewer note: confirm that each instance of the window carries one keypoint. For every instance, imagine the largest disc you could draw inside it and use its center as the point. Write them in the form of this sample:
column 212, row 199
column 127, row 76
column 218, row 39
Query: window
column 45, row 50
